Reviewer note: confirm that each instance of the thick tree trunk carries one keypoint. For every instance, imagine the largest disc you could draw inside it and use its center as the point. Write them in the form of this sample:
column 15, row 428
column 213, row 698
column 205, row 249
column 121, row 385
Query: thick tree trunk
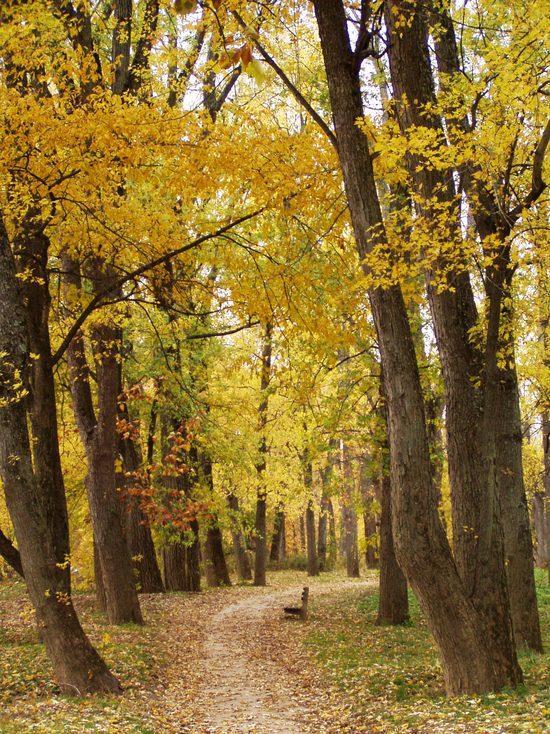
column 471, row 410
column 100, row 439
column 138, row 532
column 518, row 542
column 142, row 548
column 215, row 557
column 214, row 554
column 34, row 494
column 469, row 662
column 182, row 562
column 242, row 564
column 393, row 600
column 493, row 226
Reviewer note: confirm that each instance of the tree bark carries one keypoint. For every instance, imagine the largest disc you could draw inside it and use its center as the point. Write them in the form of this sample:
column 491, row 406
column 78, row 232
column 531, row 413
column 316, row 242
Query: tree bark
column 242, row 564
column 137, row 530
column 213, row 546
column 34, row 493
column 277, row 552
column 471, row 411
column 260, row 564
column 311, row 545
column 493, row 225
column 10, row 554
column 350, row 516
column 393, row 600
column 215, row 557
column 182, row 562
column 322, row 533
column 100, row 439
column 469, row 662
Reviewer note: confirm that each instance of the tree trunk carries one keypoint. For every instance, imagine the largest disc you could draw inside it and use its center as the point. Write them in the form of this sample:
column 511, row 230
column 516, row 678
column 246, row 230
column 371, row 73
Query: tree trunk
column 539, row 522
column 100, row 439
column 242, row 564
column 260, row 564
column 182, row 562
column 214, row 557
column 34, row 490
column 350, row 517
column 471, row 410
column 323, row 532
column 498, row 384
column 277, row 552
column 518, row 542
column 393, row 600
column 312, row 562
column 10, row 554
column 138, row 532
column 470, row 663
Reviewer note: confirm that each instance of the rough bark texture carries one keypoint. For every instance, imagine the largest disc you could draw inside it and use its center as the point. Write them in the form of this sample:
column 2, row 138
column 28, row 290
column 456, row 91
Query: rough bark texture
column 469, row 662
column 322, row 534
column 546, row 478
column 100, row 439
column 393, row 600
column 350, row 517
column 138, row 533
column 182, row 562
column 242, row 564
column 539, row 523
column 494, row 225
column 10, row 554
column 311, row 544
column 215, row 557
column 34, row 498
column 518, row 542
column 471, row 410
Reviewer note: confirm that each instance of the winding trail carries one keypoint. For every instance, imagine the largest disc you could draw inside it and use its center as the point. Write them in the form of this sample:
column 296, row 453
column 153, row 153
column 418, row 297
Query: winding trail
column 253, row 675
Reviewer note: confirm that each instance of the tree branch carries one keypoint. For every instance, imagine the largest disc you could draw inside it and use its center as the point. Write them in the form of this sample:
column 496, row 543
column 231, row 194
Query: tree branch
column 290, row 86
column 537, row 185
column 223, row 333
column 101, row 297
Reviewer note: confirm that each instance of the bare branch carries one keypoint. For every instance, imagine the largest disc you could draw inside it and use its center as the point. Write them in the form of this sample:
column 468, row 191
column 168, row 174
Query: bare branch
column 100, row 298
column 290, row 86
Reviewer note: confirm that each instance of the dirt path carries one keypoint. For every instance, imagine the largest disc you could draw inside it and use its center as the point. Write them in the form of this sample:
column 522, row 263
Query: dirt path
column 251, row 674
column 247, row 693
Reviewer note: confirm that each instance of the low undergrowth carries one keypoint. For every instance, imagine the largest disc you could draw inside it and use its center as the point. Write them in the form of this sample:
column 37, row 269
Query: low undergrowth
column 393, row 674
column 383, row 680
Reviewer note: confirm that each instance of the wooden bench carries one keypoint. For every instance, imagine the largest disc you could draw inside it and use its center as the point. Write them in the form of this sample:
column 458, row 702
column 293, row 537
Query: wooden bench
column 299, row 612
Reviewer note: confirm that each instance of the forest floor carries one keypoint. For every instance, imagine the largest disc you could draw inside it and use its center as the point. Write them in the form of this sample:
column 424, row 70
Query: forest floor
column 228, row 661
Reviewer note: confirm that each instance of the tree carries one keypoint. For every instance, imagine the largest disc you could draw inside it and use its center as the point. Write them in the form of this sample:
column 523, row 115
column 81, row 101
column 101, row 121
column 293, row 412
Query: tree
column 469, row 659
column 36, row 499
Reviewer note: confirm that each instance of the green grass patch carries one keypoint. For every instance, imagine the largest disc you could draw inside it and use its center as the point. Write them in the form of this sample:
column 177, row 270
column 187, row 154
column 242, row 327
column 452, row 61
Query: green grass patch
column 393, row 675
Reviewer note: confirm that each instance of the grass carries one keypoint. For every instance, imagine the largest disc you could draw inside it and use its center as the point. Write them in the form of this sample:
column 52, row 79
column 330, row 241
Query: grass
column 30, row 701
column 390, row 677
column 394, row 676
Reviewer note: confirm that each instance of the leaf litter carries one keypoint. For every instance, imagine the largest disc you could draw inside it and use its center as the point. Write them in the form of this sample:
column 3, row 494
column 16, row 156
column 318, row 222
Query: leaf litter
column 228, row 661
